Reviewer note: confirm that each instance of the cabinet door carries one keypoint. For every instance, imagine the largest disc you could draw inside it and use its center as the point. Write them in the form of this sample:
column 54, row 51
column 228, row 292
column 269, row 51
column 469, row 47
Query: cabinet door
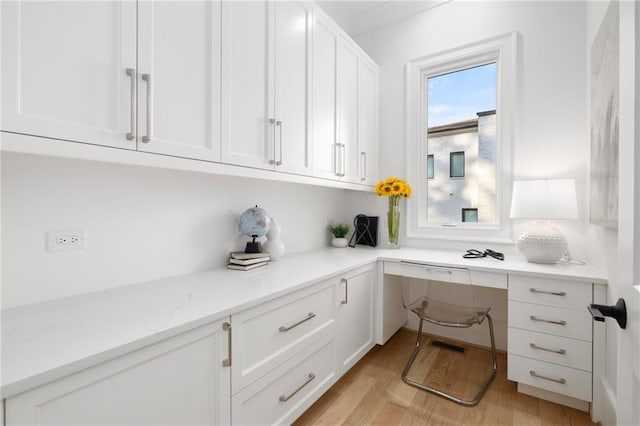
column 367, row 122
column 292, row 62
column 64, row 70
column 323, row 96
column 248, row 120
column 178, row 381
column 179, row 78
column 356, row 315
column 347, row 112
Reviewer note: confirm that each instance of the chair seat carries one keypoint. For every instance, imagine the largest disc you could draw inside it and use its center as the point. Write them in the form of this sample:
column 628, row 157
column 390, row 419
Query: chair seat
column 448, row 314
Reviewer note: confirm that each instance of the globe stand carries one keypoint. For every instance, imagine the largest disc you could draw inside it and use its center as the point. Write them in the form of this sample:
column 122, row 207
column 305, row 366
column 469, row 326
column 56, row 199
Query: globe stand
column 253, row 246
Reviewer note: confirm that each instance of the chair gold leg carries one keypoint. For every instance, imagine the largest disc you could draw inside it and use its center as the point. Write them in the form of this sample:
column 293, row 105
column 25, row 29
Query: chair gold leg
column 465, row 402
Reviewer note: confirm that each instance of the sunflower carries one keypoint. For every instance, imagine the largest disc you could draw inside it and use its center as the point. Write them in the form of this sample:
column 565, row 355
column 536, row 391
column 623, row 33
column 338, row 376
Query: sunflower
column 393, row 187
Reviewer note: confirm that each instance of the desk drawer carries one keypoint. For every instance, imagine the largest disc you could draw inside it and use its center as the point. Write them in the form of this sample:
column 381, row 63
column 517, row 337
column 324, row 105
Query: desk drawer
column 546, row 347
column 301, row 381
column 444, row 274
column 551, row 320
column 542, row 291
column 269, row 334
column 544, row 375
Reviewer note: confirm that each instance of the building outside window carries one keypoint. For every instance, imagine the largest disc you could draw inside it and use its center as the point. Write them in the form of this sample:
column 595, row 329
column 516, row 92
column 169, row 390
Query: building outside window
column 469, row 215
column 430, row 171
column 456, row 164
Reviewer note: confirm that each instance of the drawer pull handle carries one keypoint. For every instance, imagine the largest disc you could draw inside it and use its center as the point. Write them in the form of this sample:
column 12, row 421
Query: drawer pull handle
column 554, row 293
column 561, row 322
column 309, row 379
column 551, row 379
column 557, row 351
column 227, row 327
column 309, row 316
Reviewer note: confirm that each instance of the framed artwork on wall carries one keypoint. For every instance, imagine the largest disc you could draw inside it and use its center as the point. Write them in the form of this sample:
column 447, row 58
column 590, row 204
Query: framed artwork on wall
column 605, row 64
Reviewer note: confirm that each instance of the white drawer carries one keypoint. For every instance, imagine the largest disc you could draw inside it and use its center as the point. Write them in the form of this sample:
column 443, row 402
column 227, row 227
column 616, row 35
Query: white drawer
column 546, row 347
column 267, row 335
column 544, row 375
column 444, row 274
column 551, row 320
column 568, row 294
column 302, row 379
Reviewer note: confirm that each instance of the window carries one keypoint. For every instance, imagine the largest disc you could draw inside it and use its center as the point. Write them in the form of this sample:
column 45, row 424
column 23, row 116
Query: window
column 469, row 215
column 461, row 104
column 456, row 164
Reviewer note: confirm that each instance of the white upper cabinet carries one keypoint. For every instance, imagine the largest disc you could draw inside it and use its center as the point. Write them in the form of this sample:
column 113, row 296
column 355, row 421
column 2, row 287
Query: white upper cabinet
column 368, row 165
column 347, row 112
column 73, row 71
column 179, row 78
column 265, row 79
column 64, row 70
column 325, row 149
column 344, row 99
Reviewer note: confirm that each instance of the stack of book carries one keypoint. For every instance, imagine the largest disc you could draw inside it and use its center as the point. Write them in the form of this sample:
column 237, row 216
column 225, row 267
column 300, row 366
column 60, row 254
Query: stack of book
column 242, row 261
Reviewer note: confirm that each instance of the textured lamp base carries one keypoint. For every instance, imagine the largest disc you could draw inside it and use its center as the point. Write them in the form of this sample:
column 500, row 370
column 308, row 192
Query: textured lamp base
column 542, row 243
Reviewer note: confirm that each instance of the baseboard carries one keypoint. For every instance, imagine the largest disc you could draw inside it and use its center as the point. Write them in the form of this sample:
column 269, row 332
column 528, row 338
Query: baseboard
column 568, row 401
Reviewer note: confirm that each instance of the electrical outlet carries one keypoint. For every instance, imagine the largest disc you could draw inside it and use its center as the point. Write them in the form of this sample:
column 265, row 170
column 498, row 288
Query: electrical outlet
column 66, row 239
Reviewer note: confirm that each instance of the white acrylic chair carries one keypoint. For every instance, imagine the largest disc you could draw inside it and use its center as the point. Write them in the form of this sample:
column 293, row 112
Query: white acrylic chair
column 448, row 315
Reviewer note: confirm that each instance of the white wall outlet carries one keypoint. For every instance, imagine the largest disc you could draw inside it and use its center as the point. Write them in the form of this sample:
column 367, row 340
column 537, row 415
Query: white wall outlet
column 66, row 239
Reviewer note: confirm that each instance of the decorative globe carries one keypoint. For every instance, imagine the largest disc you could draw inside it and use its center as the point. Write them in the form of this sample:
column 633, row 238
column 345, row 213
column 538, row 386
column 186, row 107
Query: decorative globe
column 255, row 222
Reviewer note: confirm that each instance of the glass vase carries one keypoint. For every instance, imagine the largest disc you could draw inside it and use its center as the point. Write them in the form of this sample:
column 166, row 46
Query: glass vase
column 393, row 221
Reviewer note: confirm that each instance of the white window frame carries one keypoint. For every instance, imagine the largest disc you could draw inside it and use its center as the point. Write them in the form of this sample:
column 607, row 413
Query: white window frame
column 502, row 50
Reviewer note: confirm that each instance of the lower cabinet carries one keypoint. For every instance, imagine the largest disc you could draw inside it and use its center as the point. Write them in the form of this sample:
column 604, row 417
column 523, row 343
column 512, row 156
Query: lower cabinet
column 284, row 355
column 355, row 315
column 178, row 381
column 289, row 351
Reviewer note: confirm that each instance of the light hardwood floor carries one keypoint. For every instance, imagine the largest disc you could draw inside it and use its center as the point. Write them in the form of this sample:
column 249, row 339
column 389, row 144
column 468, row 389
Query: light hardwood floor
column 372, row 392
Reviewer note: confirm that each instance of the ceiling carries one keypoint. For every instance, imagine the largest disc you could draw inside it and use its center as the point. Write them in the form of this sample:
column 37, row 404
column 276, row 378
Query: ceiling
column 358, row 16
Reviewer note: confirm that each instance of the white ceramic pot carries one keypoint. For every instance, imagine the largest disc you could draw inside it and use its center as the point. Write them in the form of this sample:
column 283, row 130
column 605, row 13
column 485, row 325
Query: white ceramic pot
column 274, row 244
column 339, row 242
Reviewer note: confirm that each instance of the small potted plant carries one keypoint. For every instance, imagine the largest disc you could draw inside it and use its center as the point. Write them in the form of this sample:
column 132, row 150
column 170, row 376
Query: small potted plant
column 339, row 232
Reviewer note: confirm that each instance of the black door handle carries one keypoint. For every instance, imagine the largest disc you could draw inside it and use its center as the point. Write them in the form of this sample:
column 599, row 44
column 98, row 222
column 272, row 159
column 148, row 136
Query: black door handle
column 617, row 311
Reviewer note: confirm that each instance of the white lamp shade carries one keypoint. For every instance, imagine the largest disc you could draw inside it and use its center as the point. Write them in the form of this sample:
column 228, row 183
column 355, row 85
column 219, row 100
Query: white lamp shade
column 544, row 199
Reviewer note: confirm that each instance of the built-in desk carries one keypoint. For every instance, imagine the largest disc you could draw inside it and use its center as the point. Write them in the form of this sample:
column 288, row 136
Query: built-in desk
column 555, row 350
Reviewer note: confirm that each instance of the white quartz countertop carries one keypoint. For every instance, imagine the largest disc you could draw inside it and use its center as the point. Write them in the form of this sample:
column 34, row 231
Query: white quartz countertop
column 49, row 340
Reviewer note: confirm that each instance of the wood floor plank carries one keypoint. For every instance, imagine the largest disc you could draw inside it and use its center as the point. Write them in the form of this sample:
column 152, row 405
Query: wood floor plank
column 372, row 392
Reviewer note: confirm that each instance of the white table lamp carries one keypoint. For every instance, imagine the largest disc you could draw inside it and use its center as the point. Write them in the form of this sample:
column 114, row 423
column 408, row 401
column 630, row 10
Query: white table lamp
column 543, row 200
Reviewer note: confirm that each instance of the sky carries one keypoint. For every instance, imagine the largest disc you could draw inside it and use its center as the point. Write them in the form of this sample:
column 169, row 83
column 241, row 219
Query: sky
column 460, row 95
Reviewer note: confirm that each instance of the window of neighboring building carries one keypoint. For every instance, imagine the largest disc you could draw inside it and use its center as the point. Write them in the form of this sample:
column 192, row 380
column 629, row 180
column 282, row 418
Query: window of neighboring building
column 469, row 215
column 430, row 172
column 461, row 103
column 456, row 164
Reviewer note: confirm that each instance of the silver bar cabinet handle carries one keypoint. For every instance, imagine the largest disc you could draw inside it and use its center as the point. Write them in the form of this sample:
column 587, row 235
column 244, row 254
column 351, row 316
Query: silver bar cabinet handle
column 551, row 379
column 283, row 329
column 555, row 293
column 561, row 322
column 346, row 291
column 336, row 170
column 227, row 327
column 279, row 124
column 272, row 121
column 363, row 156
column 146, row 138
column 557, row 351
column 310, row 377
column 344, row 159
column 132, row 74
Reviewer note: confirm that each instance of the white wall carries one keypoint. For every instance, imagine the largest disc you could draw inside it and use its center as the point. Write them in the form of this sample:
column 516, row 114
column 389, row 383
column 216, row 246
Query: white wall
column 552, row 138
column 141, row 223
